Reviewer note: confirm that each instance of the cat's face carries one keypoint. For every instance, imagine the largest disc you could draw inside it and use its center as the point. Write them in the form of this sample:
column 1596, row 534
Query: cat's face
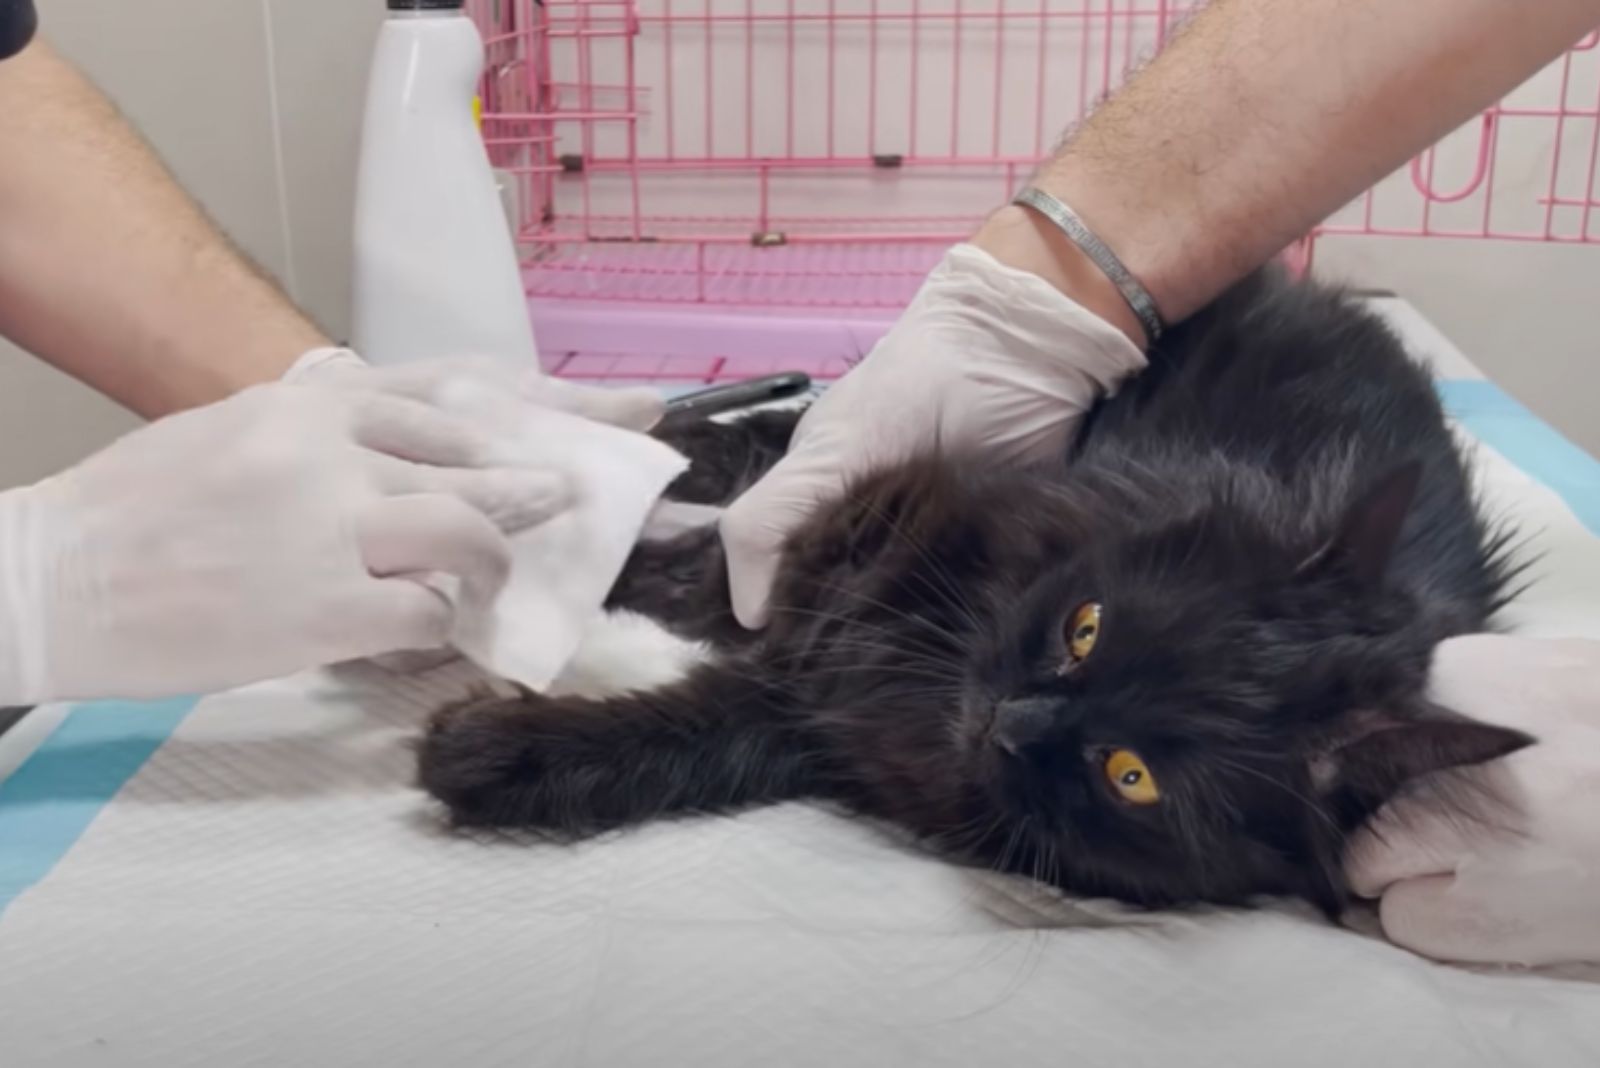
column 1186, row 714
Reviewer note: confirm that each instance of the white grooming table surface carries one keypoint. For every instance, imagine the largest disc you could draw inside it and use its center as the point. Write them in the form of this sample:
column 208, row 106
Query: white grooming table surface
column 251, row 880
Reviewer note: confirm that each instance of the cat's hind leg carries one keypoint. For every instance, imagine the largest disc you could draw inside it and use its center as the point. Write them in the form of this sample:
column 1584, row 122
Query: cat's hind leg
column 682, row 581
column 719, row 740
column 727, row 458
column 683, row 585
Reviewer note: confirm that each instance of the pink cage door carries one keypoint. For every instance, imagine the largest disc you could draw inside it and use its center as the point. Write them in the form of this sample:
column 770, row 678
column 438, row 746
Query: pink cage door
column 713, row 189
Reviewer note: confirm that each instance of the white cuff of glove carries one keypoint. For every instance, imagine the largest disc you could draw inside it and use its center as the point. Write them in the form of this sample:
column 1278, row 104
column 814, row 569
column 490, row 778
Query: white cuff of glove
column 27, row 573
column 1049, row 342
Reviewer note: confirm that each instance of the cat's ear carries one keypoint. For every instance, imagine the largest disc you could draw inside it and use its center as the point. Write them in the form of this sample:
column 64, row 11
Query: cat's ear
column 1370, row 528
column 1367, row 769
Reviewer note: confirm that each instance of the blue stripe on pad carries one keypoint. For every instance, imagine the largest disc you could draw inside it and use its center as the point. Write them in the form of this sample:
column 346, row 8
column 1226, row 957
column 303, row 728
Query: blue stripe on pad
column 1501, row 422
column 48, row 802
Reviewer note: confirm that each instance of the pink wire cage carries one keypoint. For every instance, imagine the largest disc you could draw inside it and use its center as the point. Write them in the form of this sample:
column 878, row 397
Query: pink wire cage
column 711, row 189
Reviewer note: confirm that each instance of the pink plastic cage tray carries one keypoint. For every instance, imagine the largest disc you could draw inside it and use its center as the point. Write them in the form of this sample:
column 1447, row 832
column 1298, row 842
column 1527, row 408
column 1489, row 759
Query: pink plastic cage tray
column 713, row 189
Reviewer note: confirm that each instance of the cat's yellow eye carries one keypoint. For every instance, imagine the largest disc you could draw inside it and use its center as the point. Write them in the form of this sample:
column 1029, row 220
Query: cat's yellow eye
column 1130, row 778
column 1083, row 630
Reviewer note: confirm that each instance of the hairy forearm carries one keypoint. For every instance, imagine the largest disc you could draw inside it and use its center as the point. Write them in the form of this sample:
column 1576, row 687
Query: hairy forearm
column 108, row 270
column 1262, row 118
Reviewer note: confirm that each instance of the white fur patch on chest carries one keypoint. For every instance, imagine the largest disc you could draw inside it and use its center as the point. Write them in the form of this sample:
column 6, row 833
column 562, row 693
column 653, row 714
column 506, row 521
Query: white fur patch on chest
column 624, row 652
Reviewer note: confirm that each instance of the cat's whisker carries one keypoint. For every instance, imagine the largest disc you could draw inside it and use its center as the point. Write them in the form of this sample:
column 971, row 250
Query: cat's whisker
column 940, row 687
column 1013, row 843
column 1055, row 863
column 950, row 591
column 898, row 654
column 897, row 613
column 900, row 668
column 964, row 838
column 1311, row 805
column 919, row 642
column 874, row 658
column 971, row 830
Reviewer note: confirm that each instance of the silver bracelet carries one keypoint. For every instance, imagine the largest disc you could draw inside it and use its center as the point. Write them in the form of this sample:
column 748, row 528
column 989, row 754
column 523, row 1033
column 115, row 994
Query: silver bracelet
column 1065, row 220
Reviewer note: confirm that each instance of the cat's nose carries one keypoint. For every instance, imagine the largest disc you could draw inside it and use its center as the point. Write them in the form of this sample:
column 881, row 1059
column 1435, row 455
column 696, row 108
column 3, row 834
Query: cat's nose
column 1022, row 722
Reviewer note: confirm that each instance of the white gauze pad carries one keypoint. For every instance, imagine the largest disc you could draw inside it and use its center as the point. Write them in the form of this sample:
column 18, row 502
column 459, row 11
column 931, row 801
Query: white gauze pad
column 563, row 569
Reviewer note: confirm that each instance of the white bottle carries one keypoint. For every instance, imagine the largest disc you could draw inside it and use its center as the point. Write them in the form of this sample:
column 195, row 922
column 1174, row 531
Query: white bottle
column 436, row 270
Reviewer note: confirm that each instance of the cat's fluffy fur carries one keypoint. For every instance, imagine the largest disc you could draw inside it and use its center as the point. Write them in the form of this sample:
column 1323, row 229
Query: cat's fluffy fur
column 1279, row 529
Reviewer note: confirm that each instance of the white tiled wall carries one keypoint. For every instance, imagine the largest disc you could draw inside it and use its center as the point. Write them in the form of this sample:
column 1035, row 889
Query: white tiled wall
column 256, row 103
column 319, row 66
column 1528, row 314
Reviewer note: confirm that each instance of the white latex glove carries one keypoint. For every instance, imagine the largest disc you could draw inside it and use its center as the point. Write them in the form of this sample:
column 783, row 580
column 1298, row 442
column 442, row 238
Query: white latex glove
column 1525, row 888
column 562, row 569
column 268, row 533
column 986, row 359
column 632, row 409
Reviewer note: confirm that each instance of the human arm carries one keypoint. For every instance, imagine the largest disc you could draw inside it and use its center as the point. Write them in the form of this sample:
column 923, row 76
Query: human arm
column 1259, row 120
column 1519, row 882
column 108, row 270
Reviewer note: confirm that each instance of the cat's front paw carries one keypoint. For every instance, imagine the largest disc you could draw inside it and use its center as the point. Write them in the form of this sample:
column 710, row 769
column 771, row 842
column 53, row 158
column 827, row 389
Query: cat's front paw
column 478, row 758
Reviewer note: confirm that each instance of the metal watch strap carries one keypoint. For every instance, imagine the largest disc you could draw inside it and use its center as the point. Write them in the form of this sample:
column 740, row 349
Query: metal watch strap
column 1067, row 222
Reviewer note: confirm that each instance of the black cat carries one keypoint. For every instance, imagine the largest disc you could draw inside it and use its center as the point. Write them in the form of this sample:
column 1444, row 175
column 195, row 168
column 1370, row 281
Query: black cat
column 1182, row 663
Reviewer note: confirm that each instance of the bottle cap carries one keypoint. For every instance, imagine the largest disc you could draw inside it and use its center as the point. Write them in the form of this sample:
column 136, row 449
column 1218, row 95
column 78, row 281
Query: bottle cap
column 18, row 23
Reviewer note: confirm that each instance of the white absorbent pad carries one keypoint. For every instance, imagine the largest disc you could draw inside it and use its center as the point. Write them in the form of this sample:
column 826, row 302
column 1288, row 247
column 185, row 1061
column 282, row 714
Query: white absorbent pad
column 253, row 881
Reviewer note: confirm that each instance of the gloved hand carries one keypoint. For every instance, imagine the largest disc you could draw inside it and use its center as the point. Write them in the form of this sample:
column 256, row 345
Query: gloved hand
column 268, row 533
column 986, row 359
column 1520, row 884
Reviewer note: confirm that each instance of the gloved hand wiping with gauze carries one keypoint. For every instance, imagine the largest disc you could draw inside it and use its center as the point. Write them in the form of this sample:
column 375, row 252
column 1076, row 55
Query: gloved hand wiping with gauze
column 561, row 569
column 285, row 528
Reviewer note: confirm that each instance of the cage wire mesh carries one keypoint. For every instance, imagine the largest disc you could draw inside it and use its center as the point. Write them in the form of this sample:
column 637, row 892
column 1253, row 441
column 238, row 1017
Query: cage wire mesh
column 820, row 154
